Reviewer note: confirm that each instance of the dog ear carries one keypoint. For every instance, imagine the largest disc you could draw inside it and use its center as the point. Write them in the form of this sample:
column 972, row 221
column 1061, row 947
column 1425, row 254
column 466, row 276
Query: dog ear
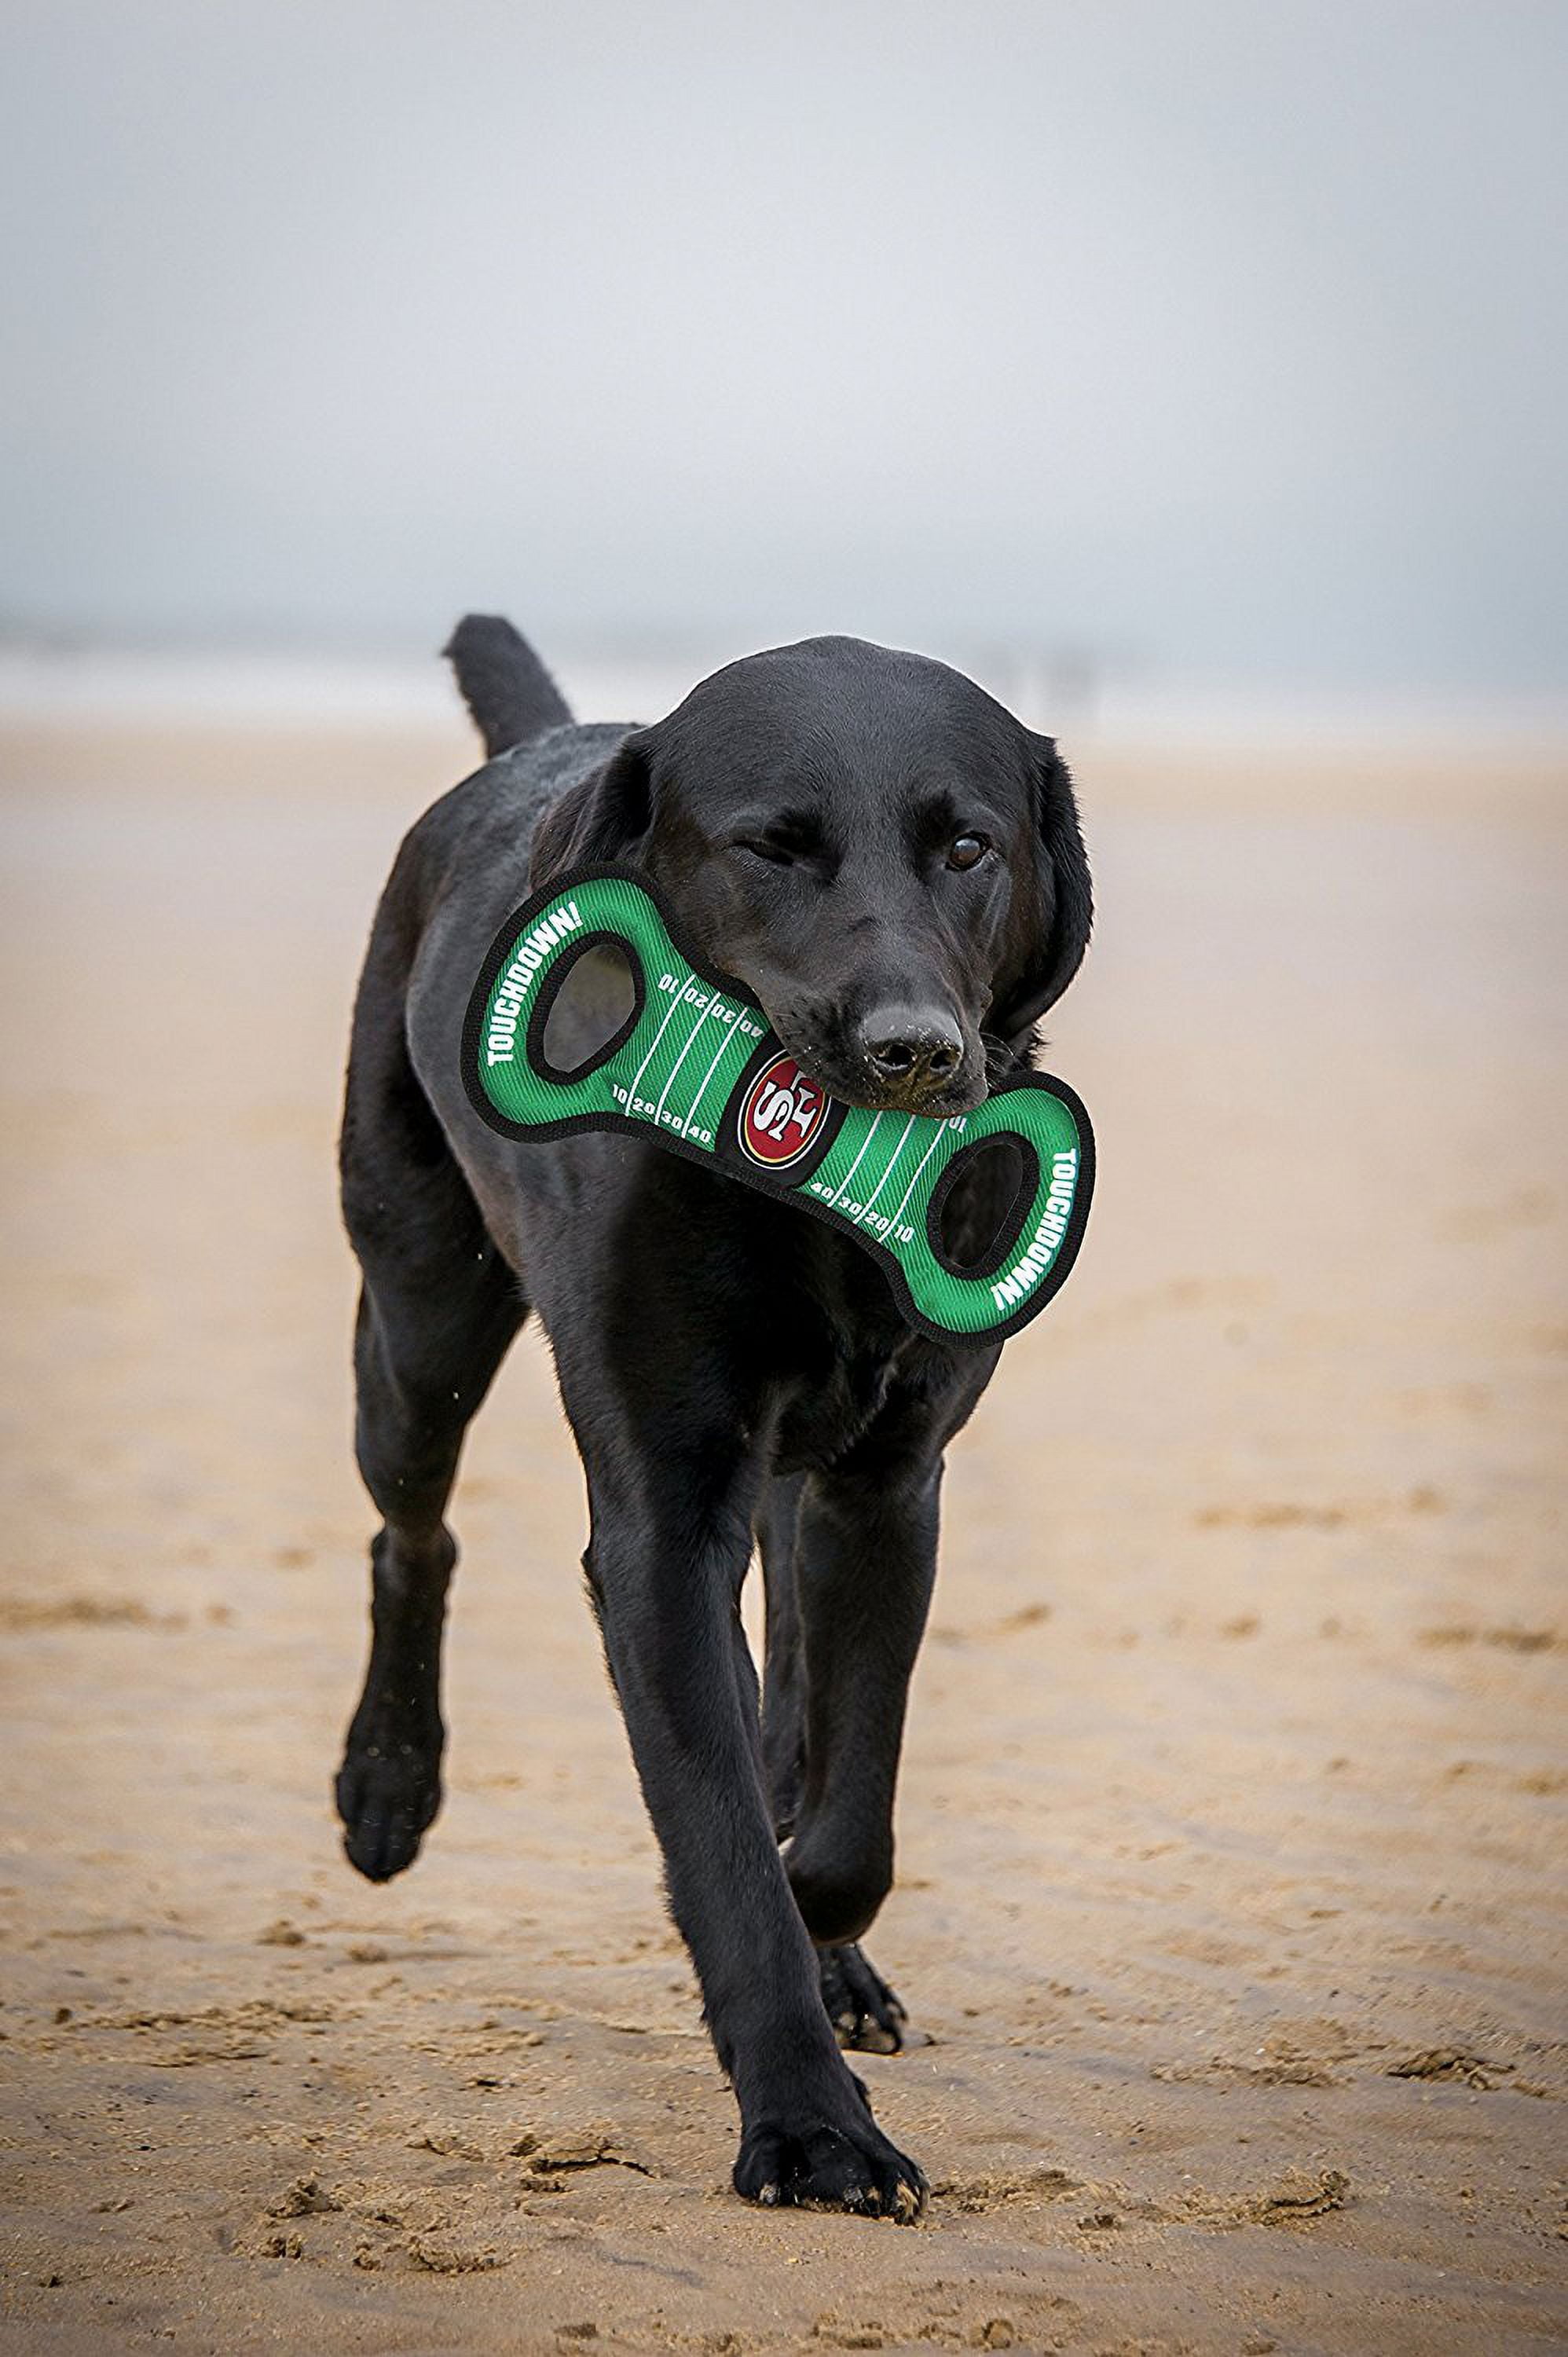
column 601, row 818
column 1064, row 909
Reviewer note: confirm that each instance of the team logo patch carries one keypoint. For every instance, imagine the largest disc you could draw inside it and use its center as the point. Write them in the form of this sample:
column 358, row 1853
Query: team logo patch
column 780, row 1114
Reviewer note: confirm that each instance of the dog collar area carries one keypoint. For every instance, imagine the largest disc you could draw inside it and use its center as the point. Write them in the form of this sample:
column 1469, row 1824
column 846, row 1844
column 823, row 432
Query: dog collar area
column 696, row 1067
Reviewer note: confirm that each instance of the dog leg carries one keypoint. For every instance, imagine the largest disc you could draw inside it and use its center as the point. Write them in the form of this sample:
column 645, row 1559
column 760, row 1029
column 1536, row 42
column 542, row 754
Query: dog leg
column 866, row 2015
column 438, row 1307
column 865, row 1562
column 783, row 1685
column 423, row 1362
column 671, row 1495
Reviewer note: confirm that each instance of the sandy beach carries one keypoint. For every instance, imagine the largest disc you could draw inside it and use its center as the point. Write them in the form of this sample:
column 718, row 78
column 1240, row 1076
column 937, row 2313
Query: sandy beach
column 1230, row 1901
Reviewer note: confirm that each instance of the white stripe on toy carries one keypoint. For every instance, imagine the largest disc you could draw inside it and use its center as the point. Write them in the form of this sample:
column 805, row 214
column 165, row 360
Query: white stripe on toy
column 887, row 1174
column 701, row 1011
column 653, row 1046
column 707, row 1076
column 915, row 1179
column 859, row 1158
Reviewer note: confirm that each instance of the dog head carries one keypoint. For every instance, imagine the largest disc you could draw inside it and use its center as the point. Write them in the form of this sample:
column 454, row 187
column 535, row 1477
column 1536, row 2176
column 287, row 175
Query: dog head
column 887, row 860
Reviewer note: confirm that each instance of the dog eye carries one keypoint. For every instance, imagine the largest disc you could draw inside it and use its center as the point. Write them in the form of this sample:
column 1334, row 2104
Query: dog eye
column 967, row 851
column 778, row 855
column 783, row 841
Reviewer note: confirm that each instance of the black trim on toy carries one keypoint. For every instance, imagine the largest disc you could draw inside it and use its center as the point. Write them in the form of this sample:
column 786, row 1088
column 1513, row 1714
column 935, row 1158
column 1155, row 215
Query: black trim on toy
column 792, row 1191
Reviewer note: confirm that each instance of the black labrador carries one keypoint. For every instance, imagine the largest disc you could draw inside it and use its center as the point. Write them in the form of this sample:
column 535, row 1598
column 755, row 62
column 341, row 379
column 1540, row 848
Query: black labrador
column 892, row 865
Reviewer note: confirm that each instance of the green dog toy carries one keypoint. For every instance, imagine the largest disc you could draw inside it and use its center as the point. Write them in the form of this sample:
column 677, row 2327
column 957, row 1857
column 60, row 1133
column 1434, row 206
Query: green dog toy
column 695, row 1065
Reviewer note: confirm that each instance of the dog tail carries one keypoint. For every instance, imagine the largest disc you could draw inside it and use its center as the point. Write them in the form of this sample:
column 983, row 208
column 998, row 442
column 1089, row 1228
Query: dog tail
column 506, row 687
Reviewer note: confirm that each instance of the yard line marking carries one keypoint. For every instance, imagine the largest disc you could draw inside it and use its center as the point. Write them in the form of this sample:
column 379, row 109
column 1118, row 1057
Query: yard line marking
column 725, row 1037
column 855, row 1166
column 653, row 1044
column 887, row 1174
column 701, row 1011
column 915, row 1179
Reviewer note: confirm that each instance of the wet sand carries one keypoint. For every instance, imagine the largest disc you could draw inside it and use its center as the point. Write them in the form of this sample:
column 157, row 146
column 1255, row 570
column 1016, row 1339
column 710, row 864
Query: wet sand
column 1230, row 1895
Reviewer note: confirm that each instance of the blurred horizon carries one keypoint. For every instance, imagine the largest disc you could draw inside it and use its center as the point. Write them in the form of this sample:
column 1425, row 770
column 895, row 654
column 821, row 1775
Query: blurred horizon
column 1138, row 359
column 89, row 685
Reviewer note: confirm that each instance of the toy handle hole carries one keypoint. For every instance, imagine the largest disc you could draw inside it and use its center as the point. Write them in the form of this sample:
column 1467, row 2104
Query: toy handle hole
column 589, row 1006
column 979, row 1203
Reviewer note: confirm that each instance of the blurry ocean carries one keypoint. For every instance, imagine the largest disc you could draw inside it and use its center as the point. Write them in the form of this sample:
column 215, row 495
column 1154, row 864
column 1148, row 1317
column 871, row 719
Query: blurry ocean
column 42, row 684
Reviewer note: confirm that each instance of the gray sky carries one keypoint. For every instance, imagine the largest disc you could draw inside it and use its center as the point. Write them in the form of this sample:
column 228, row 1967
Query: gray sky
column 1219, row 335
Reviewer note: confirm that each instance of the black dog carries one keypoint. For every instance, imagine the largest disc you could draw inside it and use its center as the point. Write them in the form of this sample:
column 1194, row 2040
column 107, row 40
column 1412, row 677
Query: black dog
column 892, row 865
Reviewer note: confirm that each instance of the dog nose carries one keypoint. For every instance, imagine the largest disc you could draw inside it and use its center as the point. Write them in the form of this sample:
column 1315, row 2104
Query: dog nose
column 916, row 1046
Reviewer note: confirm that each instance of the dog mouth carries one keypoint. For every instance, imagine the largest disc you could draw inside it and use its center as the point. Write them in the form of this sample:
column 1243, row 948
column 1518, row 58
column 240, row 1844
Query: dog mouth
column 932, row 1104
column 851, row 1081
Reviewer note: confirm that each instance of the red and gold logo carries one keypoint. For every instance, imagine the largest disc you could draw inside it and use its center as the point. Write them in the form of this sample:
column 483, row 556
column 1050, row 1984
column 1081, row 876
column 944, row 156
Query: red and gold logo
column 780, row 1114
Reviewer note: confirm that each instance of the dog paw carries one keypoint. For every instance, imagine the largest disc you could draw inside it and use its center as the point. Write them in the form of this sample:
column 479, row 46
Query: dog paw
column 864, row 2012
column 830, row 2165
column 388, row 1795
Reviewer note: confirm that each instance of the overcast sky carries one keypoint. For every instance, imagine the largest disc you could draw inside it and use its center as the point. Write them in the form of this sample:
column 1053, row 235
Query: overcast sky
column 1225, row 337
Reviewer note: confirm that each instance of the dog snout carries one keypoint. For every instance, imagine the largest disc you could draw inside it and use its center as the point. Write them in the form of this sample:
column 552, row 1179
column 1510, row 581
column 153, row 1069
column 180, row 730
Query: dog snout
column 913, row 1049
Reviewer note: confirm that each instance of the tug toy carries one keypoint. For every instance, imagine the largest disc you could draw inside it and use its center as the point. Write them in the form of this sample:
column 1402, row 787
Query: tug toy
column 695, row 1066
